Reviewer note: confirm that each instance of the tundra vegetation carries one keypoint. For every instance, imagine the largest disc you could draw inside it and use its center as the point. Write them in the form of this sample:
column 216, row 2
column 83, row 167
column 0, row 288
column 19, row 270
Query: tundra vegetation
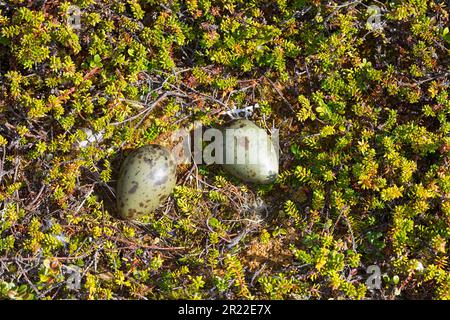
column 361, row 103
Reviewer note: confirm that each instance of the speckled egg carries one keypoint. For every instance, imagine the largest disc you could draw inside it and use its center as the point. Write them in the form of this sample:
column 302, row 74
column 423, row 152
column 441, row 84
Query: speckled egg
column 147, row 177
column 249, row 152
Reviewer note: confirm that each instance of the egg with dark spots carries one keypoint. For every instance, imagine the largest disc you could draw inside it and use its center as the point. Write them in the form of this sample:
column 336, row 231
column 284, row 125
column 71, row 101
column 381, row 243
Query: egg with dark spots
column 249, row 153
column 147, row 177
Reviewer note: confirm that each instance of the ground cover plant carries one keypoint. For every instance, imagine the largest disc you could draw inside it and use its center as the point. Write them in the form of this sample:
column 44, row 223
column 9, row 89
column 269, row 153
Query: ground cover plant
column 358, row 90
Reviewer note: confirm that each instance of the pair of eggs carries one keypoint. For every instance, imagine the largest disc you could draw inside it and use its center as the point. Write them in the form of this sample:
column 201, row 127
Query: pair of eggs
column 148, row 175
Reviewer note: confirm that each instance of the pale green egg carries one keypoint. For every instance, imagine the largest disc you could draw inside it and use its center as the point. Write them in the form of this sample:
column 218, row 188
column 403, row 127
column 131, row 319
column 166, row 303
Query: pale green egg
column 147, row 177
column 249, row 152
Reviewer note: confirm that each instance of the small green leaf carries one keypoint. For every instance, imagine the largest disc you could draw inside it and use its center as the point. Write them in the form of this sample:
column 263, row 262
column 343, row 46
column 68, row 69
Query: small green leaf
column 213, row 222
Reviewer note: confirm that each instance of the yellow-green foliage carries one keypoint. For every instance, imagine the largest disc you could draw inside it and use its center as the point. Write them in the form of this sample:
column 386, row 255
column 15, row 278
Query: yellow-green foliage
column 363, row 114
